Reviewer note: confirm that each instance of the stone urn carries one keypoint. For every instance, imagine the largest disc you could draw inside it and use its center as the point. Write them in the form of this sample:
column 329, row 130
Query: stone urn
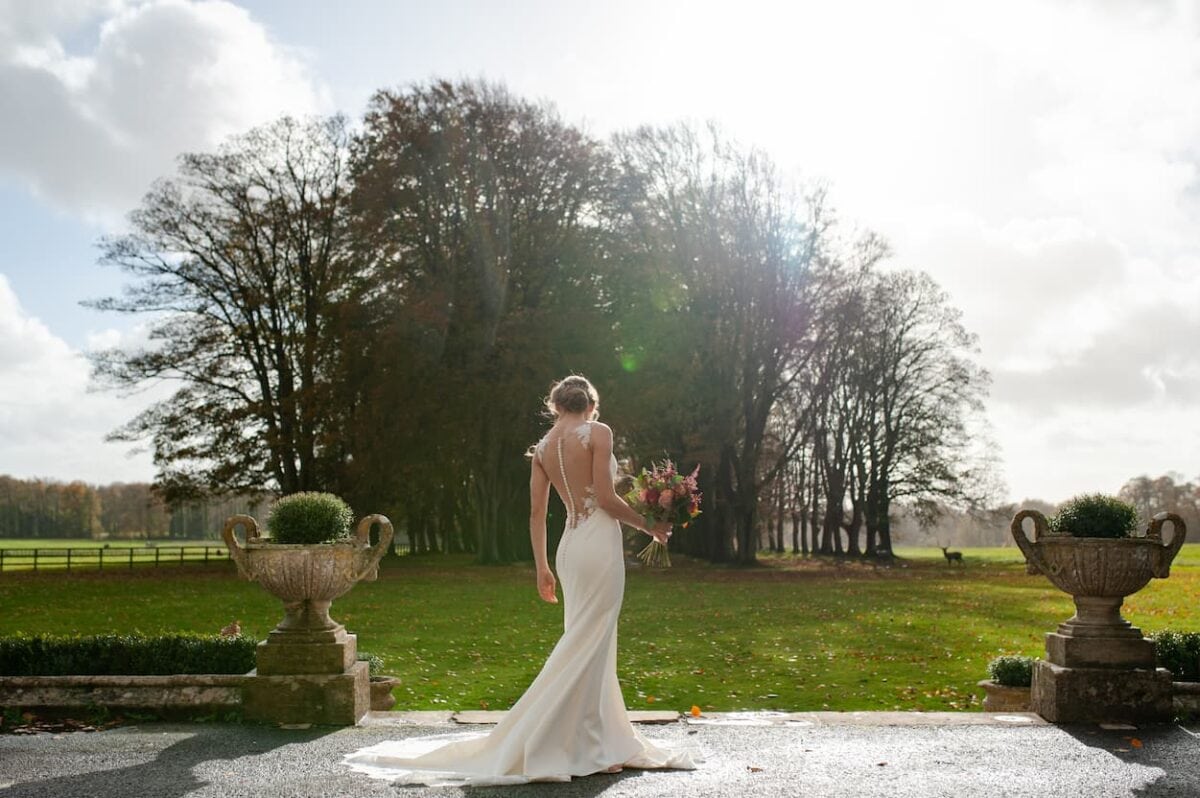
column 1004, row 698
column 308, row 577
column 381, row 692
column 1098, row 666
column 1099, row 572
column 307, row 670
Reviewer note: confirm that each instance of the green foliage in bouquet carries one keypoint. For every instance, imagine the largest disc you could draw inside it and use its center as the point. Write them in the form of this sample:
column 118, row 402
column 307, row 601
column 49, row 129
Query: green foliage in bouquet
column 1012, row 671
column 1095, row 516
column 310, row 518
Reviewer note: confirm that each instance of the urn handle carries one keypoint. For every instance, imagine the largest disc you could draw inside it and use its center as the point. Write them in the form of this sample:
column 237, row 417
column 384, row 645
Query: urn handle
column 1162, row 563
column 1034, row 563
column 250, row 527
column 362, row 534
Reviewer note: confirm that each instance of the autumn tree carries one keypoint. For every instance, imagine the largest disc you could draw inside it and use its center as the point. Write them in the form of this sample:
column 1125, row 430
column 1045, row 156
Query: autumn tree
column 476, row 215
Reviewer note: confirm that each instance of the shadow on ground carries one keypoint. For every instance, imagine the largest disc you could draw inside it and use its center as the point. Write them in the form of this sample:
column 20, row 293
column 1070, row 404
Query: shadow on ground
column 1154, row 747
column 170, row 774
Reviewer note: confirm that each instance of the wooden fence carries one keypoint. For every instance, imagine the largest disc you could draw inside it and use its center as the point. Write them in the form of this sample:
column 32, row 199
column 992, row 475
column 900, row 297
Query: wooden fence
column 99, row 558
column 96, row 557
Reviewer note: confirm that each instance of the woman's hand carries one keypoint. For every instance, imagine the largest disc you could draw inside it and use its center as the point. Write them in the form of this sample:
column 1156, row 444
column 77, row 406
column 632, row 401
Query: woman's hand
column 546, row 586
column 661, row 532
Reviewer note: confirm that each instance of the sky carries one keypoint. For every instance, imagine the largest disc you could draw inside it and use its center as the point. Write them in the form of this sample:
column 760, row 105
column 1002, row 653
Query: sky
column 1039, row 159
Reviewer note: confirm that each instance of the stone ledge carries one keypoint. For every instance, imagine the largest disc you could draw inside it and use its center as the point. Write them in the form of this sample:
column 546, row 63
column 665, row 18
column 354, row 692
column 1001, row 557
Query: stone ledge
column 161, row 693
column 1186, row 698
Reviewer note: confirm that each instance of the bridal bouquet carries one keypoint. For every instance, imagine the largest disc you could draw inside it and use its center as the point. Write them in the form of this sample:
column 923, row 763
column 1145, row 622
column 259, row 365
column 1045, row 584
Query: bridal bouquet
column 664, row 494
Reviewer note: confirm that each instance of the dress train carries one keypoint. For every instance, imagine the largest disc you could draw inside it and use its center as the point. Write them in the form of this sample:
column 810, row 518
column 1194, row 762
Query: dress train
column 572, row 719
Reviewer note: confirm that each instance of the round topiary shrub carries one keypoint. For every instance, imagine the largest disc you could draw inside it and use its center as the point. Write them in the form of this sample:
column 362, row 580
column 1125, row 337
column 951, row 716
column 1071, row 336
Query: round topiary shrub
column 1012, row 671
column 1095, row 516
column 309, row 518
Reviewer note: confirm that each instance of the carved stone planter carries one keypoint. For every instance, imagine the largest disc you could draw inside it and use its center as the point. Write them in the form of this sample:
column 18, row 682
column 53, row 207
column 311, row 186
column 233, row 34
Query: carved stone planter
column 1098, row 666
column 307, row 669
column 1003, row 698
column 381, row 693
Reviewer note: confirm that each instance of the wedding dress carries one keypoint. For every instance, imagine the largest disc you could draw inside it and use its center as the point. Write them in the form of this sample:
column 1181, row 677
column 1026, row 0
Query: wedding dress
column 572, row 720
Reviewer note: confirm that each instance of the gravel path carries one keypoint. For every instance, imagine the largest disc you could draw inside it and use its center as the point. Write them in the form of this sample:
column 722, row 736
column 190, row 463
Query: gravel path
column 969, row 755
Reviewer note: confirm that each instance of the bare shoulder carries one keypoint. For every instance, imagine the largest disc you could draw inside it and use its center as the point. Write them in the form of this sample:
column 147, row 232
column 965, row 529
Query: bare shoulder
column 602, row 433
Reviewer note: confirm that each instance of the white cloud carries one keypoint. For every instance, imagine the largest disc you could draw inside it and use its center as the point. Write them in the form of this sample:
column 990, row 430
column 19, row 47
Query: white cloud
column 50, row 423
column 1051, row 186
column 1040, row 159
column 94, row 127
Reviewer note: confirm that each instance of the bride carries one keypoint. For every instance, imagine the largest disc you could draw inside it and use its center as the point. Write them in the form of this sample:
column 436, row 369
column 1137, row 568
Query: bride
column 571, row 721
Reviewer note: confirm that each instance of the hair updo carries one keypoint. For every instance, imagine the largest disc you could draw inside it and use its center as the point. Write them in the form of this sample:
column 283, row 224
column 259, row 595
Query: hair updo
column 572, row 394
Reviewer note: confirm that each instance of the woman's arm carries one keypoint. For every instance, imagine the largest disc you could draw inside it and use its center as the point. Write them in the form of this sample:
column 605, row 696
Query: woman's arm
column 606, row 494
column 539, row 496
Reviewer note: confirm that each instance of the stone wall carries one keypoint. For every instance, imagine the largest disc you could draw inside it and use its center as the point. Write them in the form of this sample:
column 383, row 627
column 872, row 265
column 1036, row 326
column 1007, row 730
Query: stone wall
column 160, row 694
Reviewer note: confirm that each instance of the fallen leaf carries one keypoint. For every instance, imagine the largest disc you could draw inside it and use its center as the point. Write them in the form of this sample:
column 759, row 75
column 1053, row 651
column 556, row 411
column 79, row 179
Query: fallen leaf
column 1135, row 742
column 753, row 769
column 649, row 699
column 695, row 711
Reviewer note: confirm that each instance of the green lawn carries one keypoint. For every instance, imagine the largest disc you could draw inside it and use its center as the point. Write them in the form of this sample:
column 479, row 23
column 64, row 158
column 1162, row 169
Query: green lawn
column 791, row 635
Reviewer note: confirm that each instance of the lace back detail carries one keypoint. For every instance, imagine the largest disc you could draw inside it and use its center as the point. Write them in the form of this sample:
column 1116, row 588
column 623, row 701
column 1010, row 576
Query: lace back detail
column 562, row 469
column 574, row 515
column 584, row 431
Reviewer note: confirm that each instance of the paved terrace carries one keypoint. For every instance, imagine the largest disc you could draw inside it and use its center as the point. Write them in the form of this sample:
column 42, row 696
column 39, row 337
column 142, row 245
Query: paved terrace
column 972, row 755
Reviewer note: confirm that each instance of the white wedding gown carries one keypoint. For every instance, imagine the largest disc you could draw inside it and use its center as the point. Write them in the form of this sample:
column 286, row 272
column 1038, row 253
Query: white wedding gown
column 571, row 721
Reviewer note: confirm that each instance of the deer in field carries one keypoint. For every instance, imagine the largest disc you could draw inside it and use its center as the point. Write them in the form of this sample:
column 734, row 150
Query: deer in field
column 952, row 556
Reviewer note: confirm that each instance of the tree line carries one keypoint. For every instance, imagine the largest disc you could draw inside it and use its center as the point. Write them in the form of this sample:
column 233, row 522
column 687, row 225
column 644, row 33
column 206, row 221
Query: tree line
column 43, row 508
column 377, row 313
column 990, row 526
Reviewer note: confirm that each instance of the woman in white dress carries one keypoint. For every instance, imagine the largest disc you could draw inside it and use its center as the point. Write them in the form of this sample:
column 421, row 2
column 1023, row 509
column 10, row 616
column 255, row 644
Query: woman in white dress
column 571, row 721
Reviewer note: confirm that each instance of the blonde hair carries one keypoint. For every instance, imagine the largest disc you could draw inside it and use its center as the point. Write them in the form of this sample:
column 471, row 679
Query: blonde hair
column 572, row 394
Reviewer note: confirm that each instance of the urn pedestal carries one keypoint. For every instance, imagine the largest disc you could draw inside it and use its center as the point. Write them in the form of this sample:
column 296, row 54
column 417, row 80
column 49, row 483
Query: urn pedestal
column 1098, row 666
column 307, row 668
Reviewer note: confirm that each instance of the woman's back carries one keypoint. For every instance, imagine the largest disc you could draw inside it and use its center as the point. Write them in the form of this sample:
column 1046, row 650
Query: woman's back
column 566, row 455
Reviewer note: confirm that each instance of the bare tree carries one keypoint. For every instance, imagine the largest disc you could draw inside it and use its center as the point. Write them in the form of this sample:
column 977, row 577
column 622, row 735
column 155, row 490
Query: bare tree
column 738, row 245
column 238, row 263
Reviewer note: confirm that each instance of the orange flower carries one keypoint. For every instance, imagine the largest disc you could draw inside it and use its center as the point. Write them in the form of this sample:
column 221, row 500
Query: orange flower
column 695, row 711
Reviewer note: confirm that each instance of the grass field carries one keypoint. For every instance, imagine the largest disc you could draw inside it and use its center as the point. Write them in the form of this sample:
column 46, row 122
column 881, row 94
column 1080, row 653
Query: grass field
column 794, row 634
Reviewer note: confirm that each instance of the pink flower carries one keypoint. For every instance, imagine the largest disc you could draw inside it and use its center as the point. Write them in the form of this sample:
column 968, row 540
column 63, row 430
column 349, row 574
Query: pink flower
column 666, row 500
column 644, row 496
column 681, row 490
